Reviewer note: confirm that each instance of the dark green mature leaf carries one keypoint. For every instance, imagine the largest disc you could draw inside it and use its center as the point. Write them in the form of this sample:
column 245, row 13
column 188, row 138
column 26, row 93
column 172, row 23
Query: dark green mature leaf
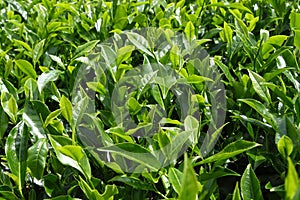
column 190, row 185
column 37, row 155
column 225, row 70
column 7, row 195
column 230, row 150
column 52, row 185
column 250, row 186
column 16, row 153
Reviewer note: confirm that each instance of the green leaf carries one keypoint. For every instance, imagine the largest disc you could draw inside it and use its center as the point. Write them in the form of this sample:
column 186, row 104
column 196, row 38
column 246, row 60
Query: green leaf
column 57, row 60
column 190, row 31
column 175, row 55
column 157, row 95
column 225, row 70
column 4, row 122
column 52, row 185
column 93, row 194
column 197, row 79
column 294, row 20
column 133, row 105
column 262, row 110
column 124, row 53
column 230, row 150
column 38, row 51
column 285, row 146
column 297, row 38
column 47, row 77
column 36, row 160
column 66, row 107
column 135, row 153
column 250, row 186
column 139, row 42
column 85, row 48
column 217, row 172
column 260, row 89
column 9, row 106
column 51, row 117
column 291, row 180
column 236, row 194
column 133, row 182
column 31, row 89
column 175, row 177
column 268, row 46
column 280, row 94
column 78, row 155
column 190, row 185
column 7, row 195
column 16, row 153
column 33, row 121
column 71, row 155
column 226, row 34
column 26, row 67
column 120, row 17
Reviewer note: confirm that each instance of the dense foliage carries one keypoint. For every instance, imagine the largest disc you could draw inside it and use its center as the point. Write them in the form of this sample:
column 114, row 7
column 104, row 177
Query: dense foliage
column 45, row 45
